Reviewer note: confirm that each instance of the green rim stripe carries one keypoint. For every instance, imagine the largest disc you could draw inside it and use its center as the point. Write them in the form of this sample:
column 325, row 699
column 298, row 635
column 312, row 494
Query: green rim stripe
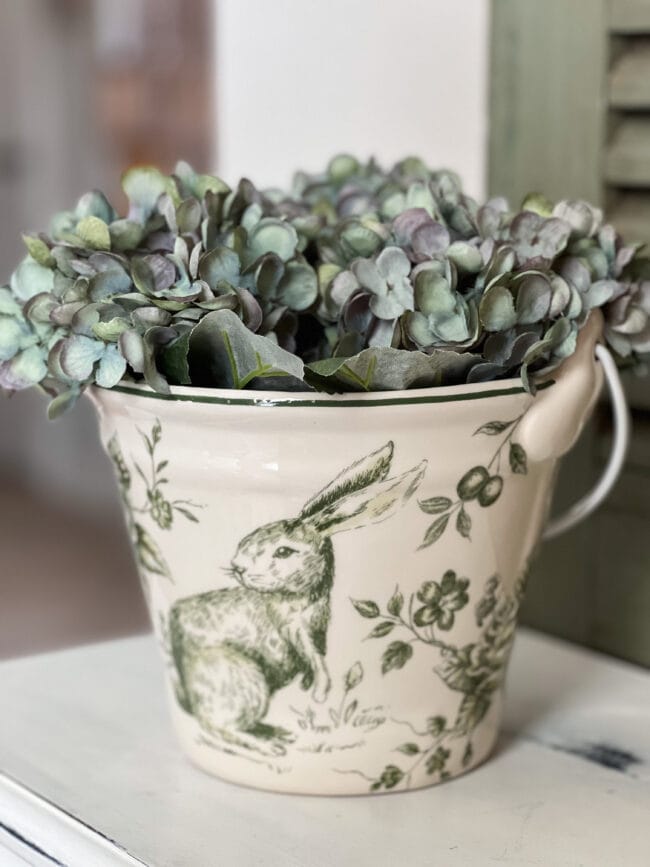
column 264, row 402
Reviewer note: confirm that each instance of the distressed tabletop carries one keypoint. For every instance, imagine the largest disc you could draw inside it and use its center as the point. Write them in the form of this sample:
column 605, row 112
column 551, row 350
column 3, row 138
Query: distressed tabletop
column 91, row 776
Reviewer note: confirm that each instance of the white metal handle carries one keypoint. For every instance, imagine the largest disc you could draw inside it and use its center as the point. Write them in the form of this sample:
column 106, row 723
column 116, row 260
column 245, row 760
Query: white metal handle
column 621, row 417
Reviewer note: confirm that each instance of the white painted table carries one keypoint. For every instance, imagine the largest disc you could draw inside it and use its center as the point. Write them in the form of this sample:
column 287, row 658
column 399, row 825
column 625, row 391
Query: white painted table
column 91, row 776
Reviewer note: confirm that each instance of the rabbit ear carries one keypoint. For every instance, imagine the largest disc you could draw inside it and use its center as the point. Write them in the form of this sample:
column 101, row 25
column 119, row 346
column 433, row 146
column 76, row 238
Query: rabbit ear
column 370, row 506
column 374, row 467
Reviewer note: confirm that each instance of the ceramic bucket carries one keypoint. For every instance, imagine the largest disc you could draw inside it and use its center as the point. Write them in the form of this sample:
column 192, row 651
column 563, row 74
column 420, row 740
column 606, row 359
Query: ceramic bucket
column 334, row 580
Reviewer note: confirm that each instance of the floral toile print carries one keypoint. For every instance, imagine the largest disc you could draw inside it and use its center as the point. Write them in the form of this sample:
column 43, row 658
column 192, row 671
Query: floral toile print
column 475, row 670
column 154, row 506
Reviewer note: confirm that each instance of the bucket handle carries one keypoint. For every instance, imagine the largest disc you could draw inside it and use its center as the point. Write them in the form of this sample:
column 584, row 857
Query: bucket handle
column 621, row 418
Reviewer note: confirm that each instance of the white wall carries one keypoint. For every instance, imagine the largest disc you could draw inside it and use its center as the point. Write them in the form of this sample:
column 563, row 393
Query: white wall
column 299, row 80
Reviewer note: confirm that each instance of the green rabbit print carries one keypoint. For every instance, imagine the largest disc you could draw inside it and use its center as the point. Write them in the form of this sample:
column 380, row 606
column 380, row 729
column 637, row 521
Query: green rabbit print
column 234, row 648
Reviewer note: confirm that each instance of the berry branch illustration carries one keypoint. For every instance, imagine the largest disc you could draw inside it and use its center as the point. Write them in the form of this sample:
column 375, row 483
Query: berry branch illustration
column 482, row 483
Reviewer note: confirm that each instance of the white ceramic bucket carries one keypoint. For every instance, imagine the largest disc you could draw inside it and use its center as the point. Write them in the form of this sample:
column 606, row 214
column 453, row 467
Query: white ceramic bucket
column 334, row 580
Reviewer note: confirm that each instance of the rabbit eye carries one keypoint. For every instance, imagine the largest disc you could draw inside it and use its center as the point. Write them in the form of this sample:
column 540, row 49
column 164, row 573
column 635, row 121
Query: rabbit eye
column 284, row 551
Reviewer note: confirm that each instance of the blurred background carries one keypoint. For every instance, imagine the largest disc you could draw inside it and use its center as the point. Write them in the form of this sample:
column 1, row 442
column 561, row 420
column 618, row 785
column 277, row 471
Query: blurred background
column 515, row 95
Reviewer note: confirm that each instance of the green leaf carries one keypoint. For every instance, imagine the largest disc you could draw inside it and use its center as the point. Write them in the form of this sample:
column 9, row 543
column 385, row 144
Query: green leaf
column 388, row 369
column 435, row 505
column 366, row 608
column 173, row 361
column 382, row 629
column 187, row 514
column 492, row 428
column 518, row 459
column 223, row 353
column 390, row 777
column 437, row 761
column 395, row 604
column 149, row 554
column 435, row 531
column 473, row 709
column 94, row 233
column 350, row 711
column 464, row 523
column 436, row 725
column 396, row 655
column 468, row 754
column 409, row 749
column 353, row 676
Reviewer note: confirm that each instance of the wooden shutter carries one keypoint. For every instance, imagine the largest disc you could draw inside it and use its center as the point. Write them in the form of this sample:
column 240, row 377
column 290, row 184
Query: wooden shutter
column 626, row 169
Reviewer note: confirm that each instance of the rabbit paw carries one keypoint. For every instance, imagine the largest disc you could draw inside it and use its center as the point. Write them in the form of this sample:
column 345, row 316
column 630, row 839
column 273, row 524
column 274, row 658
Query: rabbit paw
column 321, row 689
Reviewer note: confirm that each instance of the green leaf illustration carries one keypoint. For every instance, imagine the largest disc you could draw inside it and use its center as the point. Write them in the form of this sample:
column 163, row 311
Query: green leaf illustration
column 187, row 514
column 464, row 523
column 350, row 711
column 353, row 677
column 467, row 755
column 149, row 554
column 390, row 777
column 436, row 725
column 382, row 629
column 409, row 749
column 437, row 761
column 493, row 428
column 473, row 709
column 435, row 505
column 366, row 608
column 395, row 604
column 396, row 655
column 518, row 459
column 435, row 531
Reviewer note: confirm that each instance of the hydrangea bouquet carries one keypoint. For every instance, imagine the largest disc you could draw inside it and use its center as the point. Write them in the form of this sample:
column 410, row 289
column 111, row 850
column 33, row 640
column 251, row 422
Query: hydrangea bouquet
column 357, row 279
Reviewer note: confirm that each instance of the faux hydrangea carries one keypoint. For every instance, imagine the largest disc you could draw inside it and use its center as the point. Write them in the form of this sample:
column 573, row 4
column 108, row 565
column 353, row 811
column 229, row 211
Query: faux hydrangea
column 356, row 278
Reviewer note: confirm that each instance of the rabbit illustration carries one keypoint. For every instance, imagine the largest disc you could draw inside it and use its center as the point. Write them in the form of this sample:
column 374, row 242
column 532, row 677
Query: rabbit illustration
column 234, row 648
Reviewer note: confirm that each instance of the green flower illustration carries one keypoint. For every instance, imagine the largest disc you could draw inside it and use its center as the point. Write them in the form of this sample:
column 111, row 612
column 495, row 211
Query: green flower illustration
column 161, row 509
column 474, row 670
column 441, row 600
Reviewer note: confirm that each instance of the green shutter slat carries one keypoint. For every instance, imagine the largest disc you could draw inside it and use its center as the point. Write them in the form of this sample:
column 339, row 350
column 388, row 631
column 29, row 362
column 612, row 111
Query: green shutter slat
column 629, row 16
column 627, row 155
column 629, row 78
column 630, row 213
